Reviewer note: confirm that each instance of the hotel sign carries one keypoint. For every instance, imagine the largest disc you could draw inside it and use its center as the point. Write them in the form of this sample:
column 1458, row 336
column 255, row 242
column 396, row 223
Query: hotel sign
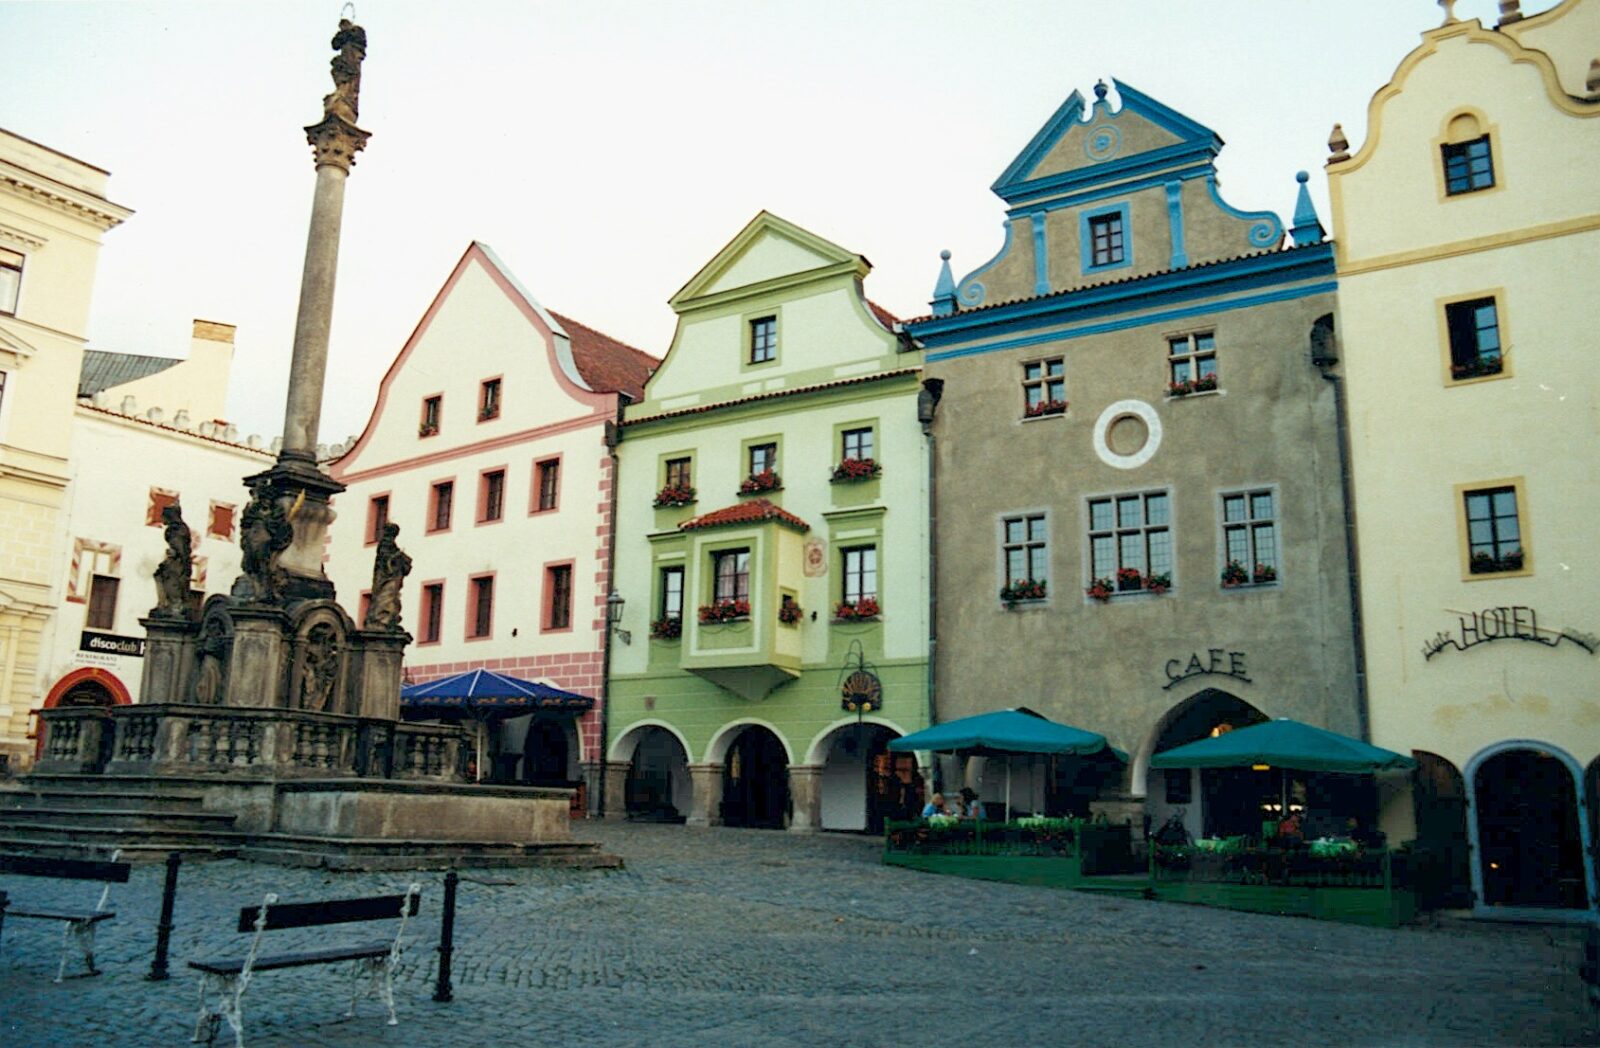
column 1513, row 622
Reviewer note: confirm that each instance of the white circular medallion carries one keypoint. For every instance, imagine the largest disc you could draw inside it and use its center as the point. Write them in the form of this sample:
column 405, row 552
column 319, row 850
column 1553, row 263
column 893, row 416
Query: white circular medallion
column 1127, row 434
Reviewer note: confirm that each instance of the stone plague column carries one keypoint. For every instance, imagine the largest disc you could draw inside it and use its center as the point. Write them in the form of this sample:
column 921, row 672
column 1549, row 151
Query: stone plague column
column 295, row 484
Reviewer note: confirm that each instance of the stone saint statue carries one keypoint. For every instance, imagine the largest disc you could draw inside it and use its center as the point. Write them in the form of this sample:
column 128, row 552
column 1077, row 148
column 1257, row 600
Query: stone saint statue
column 320, row 669
column 351, row 43
column 389, row 568
column 264, row 532
column 213, row 653
column 176, row 568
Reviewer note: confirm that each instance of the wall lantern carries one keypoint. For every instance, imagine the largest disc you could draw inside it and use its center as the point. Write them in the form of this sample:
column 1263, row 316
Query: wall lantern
column 614, row 605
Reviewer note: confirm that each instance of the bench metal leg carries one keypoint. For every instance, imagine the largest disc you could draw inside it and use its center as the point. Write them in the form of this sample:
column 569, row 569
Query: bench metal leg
column 79, row 934
column 226, row 1004
column 379, row 972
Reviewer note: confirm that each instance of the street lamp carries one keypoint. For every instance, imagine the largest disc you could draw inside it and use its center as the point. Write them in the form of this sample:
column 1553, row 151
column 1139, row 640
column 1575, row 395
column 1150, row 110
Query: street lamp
column 614, row 604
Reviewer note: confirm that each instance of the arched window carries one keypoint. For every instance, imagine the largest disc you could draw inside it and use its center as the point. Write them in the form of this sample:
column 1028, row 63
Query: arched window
column 1467, row 155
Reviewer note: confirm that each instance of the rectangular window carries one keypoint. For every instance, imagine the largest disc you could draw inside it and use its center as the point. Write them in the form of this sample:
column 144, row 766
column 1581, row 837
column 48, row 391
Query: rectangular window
column 432, row 611
column 1249, row 537
column 1192, row 362
column 856, row 443
column 547, row 482
column 1044, row 387
column 1105, row 239
column 10, row 280
column 1468, row 166
column 221, row 522
column 482, row 621
column 102, row 603
column 489, row 400
column 441, row 501
column 860, row 574
column 763, row 340
column 432, row 408
column 1130, row 540
column 492, row 496
column 763, row 457
column 1025, row 549
column 679, row 473
column 1474, row 330
column 731, row 575
column 377, row 517
column 1494, row 531
column 671, row 593
column 558, row 597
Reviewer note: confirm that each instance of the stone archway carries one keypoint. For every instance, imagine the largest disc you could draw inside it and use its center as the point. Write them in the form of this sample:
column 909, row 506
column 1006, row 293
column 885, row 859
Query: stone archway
column 1528, row 834
column 860, row 783
column 657, row 785
column 755, row 780
column 1206, row 801
column 89, row 686
column 1439, row 804
column 547, row 751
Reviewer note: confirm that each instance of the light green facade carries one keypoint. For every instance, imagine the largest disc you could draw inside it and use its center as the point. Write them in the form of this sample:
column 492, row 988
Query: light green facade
column 837, row 368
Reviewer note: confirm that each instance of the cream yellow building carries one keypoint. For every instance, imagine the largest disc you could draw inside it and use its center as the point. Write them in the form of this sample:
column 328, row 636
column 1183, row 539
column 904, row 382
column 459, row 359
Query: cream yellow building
column 1468, row 232
column 53, row 212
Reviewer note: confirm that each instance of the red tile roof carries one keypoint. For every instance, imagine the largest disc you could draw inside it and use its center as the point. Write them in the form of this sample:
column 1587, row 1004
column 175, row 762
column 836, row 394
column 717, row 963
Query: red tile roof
column 605, row 363
column 751, row 511
column 886, row 318
column 719, row 405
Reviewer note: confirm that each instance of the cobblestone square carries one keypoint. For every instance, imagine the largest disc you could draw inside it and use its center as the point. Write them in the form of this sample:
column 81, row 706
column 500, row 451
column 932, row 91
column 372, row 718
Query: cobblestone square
column 738, row 937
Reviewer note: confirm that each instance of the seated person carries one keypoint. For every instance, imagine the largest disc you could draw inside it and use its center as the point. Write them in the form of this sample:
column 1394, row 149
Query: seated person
column 1289, row 829
column 969, row 800
column 935, row 806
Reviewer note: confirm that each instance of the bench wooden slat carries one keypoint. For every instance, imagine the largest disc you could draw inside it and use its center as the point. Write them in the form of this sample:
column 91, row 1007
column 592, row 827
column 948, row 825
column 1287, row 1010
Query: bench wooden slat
column 67, row 869
column 233, row 965
column 89, row 916
column 331, row 911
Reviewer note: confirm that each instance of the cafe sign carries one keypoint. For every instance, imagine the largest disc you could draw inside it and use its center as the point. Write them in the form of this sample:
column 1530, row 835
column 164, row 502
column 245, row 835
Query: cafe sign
column 1513, row 622
column 1214, row 664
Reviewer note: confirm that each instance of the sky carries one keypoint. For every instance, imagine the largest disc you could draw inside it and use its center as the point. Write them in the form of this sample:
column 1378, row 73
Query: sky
column 607, row 149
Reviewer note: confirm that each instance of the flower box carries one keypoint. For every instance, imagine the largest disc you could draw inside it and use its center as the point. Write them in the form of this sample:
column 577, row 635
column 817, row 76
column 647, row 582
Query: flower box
column 675, row 495
column 1264, row 573
column 670, row 628
column 724, row 611
column 856, row 611
column 426, row 430
column 1046, row 407
column 1476, row 368
column 851, row 470
column 1203, row 384
column 1019, row 590
column 485, row 414
column 766, row 480
column 1101, row 590
column 1234, row 574
column 1487, row 564
column 790, row 612
column 1129, row 580
column 1158, row 583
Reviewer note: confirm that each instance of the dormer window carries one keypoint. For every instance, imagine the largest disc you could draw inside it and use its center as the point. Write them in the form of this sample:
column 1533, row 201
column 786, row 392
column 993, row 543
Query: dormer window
column 763, row 340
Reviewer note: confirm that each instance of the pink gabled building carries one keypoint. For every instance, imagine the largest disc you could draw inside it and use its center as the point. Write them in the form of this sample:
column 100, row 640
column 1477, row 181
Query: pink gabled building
column 488, row 447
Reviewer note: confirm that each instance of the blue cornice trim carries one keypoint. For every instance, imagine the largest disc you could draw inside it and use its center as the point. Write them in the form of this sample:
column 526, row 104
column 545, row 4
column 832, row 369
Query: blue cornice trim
column 1041, row 257
column 1266, row 228
column 1166, row 116
column 1148, row 162
column 1089, row 196
column 1180, row 254
column 1143, row 320
column 969, row 292
column 1067, row 113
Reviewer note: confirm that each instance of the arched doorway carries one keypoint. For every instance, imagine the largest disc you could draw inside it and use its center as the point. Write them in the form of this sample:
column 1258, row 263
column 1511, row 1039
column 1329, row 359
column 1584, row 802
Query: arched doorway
column 862, row 783
column 1443, row 872
column 1209, row 802
column 87, row 687
column 1529, row 840
column 755, row 781
column 658, row 786
column 546, row 755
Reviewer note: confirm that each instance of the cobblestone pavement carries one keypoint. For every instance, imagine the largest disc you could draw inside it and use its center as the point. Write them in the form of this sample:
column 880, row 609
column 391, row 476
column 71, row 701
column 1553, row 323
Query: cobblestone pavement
column 734, row 937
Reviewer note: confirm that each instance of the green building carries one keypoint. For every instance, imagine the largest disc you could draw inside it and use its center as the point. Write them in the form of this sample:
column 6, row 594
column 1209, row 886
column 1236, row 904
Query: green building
column 772, row 550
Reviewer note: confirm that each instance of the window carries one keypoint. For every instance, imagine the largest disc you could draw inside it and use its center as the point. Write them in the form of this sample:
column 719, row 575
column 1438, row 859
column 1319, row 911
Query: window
column 432, row 611
column 1026, row 554
column 441, row 501
column 1474, row 332
column 731, row 575
column 102, row 603
column 489, row 400
column 432, row 407
column 679, row 473
column 221, row 522
column 1130, row 540
column 482, row 621
column 671, row 593
column 857, row 443
column 1468, row 166
column 492, row 496
column 1192, row 362
column 1494, row 532
column 763, row 340
column 763, row 457
column 860, row 574
column 558, row 597
column 10, row 280
column 1249, row 538
column 160, row 499
column 1044, row 387
column 377, row 517
column 547, row 485
column 1105, row 239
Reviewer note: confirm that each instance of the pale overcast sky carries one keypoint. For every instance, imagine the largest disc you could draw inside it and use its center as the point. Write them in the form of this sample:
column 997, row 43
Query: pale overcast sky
column 607, row 149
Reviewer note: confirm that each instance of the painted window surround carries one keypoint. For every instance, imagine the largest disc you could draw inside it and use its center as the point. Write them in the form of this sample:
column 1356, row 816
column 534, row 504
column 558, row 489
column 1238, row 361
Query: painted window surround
column 429, row 527
column 483, row 398
column 547, row 597
column 1460, row 125
column 472, row 606
column 1524, row 529
column 537, row 484
column 481, row 517
column 370, row 536
column 1086, row 219
column 747, row 333
column 422, row 617
column 1447, row 359
column 438, row 416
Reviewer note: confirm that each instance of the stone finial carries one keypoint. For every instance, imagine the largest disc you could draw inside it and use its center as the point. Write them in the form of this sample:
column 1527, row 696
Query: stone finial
column 1307, row 227
column 155, row 414
column 1449, row 11
column 1510, row 11
column 130, row 404
column 944, row 290
column 1338, row 145
column 1593, row 83
column 181, row 418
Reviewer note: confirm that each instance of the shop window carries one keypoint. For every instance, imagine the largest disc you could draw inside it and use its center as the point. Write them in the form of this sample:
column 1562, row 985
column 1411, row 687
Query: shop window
column 492, row 496
column 1494, row 531
column 489, row 400
column 558, row 597
column 432, row 611
column 480, row 624
column 1249, row 538
column 1130, row 541
column 1044, row 387
column 221, row 523
column 441, row 502
column 377, row 517
column 1473, row 327
column 547, row 483
column 10, row 280
column 763, row 340
column 102, row 602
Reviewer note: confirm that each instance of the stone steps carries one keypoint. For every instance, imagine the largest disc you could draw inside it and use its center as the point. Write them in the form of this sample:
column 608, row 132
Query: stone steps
column 101, row 800
column 382, row 854
column 104, row 839
column 23, row 841
column 117, row 818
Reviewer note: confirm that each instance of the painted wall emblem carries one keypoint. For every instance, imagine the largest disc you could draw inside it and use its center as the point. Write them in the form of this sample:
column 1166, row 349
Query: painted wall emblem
column 861, row 692
column 816, row 558
column 1516, row 622
column 1102, row 143
column 1213, row 664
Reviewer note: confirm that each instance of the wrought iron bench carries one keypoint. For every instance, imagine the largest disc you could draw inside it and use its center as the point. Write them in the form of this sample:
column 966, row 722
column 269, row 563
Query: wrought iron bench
column 80, row 924
column 226, row 979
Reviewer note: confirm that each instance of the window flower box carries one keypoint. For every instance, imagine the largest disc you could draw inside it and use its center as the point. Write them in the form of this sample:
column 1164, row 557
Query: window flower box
column 485, row 414
column 670, row 628
column 1101, row 590
column 724, row 611
column 1129, row 580
column 1234, row 574
column 1018, row 591
column 1158, row 584
column 1264, row 573
column 790, row 612
column 1046, row 407
column 428, row 429
column 1203, row 384
column 852, row 470
column 1487, row 563
column 675, row 495
column 1476, row 368
column 766, row 480
column 856, row 611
